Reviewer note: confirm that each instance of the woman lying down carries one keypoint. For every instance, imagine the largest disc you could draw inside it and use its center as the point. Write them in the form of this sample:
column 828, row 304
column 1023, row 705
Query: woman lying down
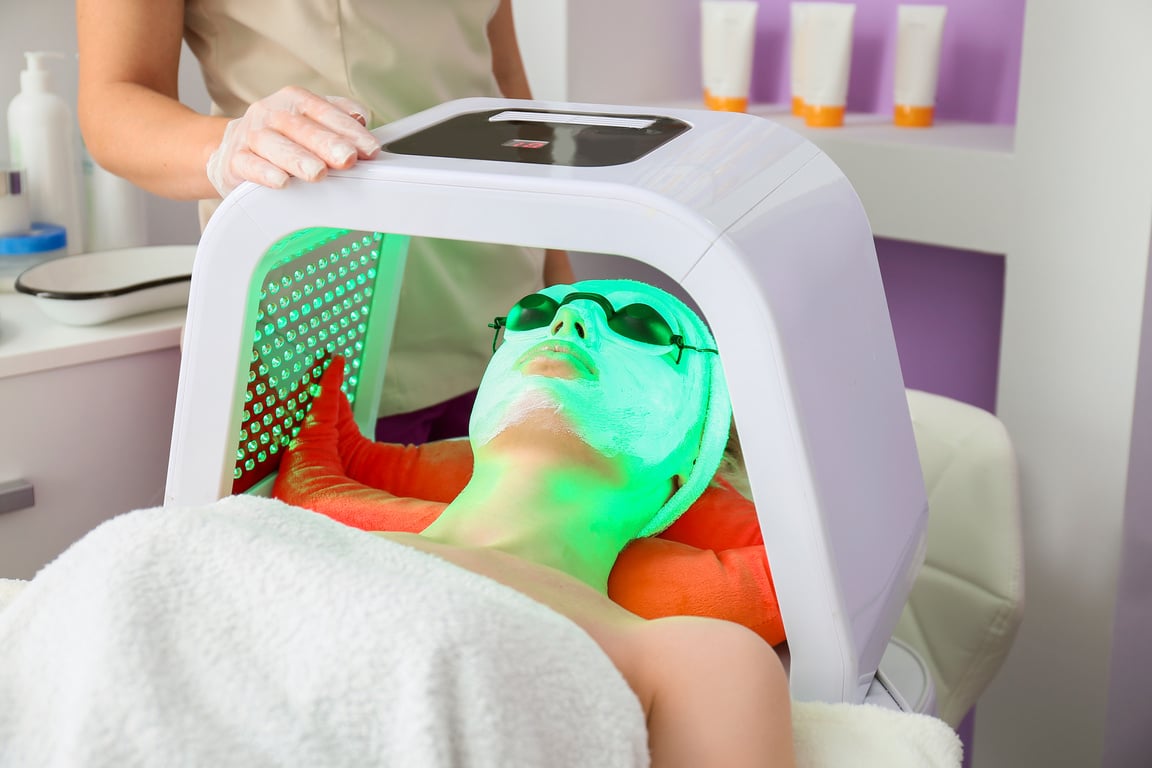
column 249, row 632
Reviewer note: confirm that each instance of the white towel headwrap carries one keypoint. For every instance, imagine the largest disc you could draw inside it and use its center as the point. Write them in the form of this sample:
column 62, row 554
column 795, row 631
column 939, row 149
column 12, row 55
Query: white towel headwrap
column 707, row 373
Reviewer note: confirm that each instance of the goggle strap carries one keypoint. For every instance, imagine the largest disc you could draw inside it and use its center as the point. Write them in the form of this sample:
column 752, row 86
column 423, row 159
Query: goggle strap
column 497, row 323
column 678, row 341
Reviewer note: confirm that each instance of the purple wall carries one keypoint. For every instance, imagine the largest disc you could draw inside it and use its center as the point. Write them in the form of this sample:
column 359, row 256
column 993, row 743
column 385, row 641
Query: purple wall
column 946, row 306
column 979, row 58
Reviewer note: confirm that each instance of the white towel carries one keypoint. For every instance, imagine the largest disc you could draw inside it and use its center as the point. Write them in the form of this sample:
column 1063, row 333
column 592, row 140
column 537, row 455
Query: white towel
column 9, row 588
column 251, row 633
column 867, row 736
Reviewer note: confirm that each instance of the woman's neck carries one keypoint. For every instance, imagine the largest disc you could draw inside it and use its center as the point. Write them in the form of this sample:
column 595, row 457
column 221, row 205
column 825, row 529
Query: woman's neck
column 550, row 499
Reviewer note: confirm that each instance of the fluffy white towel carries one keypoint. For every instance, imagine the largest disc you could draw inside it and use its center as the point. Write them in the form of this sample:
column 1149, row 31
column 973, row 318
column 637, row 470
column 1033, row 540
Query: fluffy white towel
column 9, row 588
column 867, row 736
column 250, row 633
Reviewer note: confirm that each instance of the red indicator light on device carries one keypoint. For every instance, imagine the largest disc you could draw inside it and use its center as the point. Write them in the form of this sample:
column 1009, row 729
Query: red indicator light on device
column 525, row 143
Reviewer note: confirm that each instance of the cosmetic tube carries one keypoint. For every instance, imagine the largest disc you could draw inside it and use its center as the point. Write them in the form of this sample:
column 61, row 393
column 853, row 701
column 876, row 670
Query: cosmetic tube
column 796, row 56
column 727, row 40
column 919, row 31
column 827, row 52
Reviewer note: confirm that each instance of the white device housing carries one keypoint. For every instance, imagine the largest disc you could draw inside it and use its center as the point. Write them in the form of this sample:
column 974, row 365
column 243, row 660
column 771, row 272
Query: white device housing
column 764, row 233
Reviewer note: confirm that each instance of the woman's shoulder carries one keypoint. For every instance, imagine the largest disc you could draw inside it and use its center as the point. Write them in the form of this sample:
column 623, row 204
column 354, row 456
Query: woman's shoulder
column 684, row 658
column 725, row 681
column 708, row 640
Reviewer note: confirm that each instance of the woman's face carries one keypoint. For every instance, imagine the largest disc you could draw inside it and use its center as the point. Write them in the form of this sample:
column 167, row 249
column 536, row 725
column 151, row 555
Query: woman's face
column 622, row 397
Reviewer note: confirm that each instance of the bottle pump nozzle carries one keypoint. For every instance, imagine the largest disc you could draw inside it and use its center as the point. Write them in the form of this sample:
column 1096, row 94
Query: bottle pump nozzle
column 36, row 76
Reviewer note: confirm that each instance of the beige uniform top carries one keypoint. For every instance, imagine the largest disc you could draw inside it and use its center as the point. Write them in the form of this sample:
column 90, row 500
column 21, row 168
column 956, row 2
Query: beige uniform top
column 395, row 57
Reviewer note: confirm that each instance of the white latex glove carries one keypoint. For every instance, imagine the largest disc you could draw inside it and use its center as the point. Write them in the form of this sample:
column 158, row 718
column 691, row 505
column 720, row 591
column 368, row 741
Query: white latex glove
column 293, row 132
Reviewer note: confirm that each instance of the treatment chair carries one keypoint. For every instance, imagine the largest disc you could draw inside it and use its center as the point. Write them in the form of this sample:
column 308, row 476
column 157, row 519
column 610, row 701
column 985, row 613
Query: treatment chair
column 967, row 602
column 756, row 224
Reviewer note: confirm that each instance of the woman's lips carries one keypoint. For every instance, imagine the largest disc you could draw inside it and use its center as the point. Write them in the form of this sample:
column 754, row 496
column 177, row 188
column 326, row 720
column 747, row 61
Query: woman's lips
column 579, row 360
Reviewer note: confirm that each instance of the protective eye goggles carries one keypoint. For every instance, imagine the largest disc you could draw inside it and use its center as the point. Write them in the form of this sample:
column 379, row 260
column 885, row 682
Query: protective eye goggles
column 638, row 322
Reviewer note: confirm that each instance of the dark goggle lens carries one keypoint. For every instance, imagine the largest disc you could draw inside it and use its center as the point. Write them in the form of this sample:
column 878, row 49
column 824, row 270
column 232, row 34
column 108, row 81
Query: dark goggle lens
column 642, row 323
column 531, row 312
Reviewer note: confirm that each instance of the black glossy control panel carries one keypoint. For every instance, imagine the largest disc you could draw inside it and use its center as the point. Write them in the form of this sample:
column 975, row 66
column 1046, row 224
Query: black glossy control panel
column 544, row 137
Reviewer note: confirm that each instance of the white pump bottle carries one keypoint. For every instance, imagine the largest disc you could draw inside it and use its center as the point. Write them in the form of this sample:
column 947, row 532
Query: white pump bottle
column 42, row 141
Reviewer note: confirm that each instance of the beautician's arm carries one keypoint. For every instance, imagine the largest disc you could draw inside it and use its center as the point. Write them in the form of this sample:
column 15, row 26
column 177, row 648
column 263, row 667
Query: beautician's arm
column 508, row 68
column 132, row 121
column 135, row 126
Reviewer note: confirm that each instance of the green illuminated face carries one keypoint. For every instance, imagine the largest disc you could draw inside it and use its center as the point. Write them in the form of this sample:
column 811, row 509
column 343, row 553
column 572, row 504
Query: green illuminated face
column 622, row 397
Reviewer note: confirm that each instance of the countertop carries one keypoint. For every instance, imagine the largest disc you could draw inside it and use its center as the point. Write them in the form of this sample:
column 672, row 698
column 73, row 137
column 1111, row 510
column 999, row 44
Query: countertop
column 30, row 341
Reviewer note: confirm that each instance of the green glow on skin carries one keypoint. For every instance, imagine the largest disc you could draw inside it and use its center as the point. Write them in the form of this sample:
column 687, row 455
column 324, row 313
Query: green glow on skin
column 577, row 448
column 633, row 402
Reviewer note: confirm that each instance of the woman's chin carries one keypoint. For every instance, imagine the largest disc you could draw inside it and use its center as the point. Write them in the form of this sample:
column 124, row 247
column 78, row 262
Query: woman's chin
column 532, row 405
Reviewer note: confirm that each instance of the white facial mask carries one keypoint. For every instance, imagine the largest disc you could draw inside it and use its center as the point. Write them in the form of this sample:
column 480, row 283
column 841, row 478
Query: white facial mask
column 613, row 413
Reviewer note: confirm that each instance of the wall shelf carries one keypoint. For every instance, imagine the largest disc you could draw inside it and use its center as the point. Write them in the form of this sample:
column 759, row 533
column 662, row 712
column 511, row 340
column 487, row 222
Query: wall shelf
column 948, row 185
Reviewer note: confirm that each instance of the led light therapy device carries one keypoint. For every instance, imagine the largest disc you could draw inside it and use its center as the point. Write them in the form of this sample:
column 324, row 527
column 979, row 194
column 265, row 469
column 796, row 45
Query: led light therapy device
column 759, row 227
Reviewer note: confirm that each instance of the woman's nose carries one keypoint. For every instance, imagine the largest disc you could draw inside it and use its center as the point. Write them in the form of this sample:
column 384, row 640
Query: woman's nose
column 571, row 321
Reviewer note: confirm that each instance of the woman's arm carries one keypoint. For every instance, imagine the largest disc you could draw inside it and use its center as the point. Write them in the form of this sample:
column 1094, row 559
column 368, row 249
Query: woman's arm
column 129, row 110
column 508, row 68
column 135, row 126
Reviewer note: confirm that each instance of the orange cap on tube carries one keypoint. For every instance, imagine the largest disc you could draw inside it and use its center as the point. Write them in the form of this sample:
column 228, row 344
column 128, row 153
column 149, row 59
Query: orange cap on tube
column 725, row 103
column 823, row 117
column 912, row 117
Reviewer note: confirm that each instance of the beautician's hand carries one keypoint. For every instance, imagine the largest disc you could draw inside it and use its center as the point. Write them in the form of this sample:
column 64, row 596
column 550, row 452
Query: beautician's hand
column 293, row 132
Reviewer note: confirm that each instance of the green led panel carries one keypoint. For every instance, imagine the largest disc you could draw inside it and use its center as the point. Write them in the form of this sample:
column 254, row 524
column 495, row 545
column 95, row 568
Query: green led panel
column 312, row 303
